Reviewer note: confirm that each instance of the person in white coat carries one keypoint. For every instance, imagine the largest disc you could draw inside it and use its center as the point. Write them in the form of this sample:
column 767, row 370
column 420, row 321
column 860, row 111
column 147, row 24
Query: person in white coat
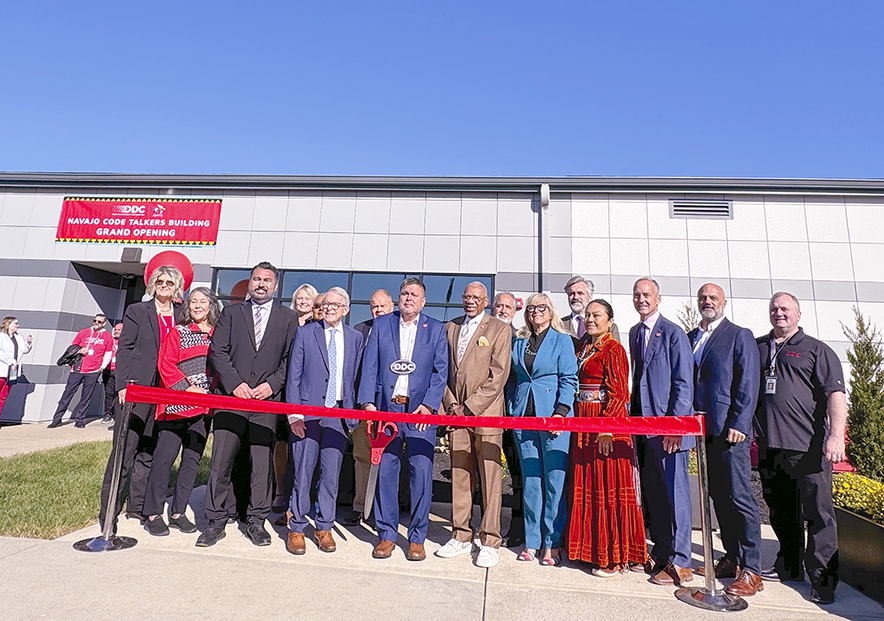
column 12, row 348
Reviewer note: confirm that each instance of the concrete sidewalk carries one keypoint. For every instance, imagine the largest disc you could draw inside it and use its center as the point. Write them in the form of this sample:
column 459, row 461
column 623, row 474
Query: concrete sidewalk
column 169, row 578
column 30, row 437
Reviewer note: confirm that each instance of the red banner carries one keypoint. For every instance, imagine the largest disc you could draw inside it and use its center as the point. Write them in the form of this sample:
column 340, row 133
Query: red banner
column 173, row 221
column 634, row 425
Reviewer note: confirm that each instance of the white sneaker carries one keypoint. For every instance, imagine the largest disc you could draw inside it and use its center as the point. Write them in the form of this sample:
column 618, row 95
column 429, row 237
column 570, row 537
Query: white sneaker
column 454, row 548
column 487, row 556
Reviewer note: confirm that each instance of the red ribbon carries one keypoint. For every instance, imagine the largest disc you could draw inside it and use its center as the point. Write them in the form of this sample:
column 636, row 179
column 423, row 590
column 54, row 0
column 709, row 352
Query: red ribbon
column 632, row 425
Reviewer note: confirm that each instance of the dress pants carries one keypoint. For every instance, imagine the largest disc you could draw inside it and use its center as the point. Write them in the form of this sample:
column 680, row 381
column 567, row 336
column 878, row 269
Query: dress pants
column 544, row 460
column 188, row 436
column 257, row 433
column 326, row 445
column 469, row 450
column 419, row 452
column 664, row 480
column 137, row 459
column 797, row 488
column 730, row 487
column 361, row 465
column 516, row 530
column 110, row 393
column 74, row 381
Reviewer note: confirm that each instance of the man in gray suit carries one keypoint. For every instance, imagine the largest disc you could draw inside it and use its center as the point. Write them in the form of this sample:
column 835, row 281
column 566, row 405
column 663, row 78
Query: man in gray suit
column 580, row 293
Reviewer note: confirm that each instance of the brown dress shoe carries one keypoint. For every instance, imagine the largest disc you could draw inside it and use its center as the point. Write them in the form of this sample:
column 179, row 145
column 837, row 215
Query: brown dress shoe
column 295, row 543
column 672, row 575
column 416, row 552
column 324, row 540
column 384, row 549
column 724, row 568
column 746, row 584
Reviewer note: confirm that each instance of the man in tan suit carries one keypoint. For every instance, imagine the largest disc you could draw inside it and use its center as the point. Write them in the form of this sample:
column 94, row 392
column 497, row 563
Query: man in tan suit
column 479, row 349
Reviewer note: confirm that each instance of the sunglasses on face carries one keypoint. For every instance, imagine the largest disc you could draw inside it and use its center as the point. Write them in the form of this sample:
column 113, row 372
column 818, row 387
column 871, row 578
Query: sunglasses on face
column 165, row 283
column 537, row 308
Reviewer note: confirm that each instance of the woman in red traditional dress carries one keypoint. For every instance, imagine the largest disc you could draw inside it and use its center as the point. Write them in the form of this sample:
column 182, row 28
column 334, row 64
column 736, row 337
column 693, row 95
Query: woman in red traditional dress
column 606, row 526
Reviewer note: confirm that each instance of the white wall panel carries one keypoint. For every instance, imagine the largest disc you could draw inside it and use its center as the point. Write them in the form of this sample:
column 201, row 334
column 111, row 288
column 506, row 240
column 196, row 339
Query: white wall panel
column 629, row 216
column 373, row 216
column 516, row 254
column 370, row 252
column 748, row 259
column 12, row 241
column 407, row 214
column 668, row 257
column 266, row 246
column 831, row 262
column 826, row 219
column 785, row 219
column 233, row 248
column 868, row 262
column 829, row 316
column 405, row 253
column 303, row 212
column 591, row 256
column 237, row 213
column 17, row 209
column 335, row 251
column 749, row 222
column 478, row 216
column 660, row 225
column 443, row 216
column 629, row 257
column 789, row 261
column 515, row 217
column 865, row 219
column 46, row 210
column 300, row 250
column 708, row 259
column 706, row 229
column 478, row 254
column 338, row 213
column 441, row 253
column 589, row 216
column 270, row 212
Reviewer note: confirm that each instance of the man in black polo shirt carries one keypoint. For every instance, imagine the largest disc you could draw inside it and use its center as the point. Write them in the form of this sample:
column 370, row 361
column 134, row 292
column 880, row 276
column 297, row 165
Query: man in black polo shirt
column 802, row 411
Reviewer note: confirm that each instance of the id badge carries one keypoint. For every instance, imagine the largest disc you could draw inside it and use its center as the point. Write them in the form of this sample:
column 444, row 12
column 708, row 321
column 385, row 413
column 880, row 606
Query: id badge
column 770, row 385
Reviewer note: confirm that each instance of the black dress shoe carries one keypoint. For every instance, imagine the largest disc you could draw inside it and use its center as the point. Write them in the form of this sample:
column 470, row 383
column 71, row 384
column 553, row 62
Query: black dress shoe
column 156, row 527
column 257, row 534
column 211, row 536
column 182, row 523
column 54, row 424
column 354, row 518
column 134, row 515
column 775, row 574
column 79, row 425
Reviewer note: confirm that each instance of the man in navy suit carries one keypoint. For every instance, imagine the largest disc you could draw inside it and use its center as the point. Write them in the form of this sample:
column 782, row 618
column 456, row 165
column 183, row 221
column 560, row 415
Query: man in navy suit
column 418, row 346
column 662, row 385
column 322, row 372
column 726, row 389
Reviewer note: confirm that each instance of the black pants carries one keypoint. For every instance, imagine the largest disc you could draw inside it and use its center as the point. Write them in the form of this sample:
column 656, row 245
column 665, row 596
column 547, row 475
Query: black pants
column 233, row 430
column 188, row 436
column 516, row 532
column 137, row 459
column 730, row 487
column 797, row 488
column 110, row 393
column 70, row 388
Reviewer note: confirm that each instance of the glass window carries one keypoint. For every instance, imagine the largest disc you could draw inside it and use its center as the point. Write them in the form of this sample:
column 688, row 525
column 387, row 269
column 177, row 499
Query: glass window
column 449, row 289
column 358, row 314
column 323, row 281
column 232, row 283
column 366, row 284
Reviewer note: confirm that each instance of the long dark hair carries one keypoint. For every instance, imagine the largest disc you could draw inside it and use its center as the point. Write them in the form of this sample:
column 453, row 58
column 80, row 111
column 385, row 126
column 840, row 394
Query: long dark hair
column 214, row 307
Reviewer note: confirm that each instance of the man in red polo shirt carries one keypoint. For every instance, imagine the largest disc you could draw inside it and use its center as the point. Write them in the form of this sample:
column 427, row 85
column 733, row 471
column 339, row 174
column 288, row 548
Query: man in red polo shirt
column 96, row 348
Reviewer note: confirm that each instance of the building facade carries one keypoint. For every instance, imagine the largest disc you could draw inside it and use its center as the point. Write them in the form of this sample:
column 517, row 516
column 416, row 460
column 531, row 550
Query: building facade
column 818, row 239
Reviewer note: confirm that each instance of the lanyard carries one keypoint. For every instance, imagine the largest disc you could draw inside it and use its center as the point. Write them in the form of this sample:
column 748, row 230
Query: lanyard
column 775, row 351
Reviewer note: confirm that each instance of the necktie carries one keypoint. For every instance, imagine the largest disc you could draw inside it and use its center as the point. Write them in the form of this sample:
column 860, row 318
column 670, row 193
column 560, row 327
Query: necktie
column 463, row 341
column 259, row 326
column 331, row 392
column 581, row 326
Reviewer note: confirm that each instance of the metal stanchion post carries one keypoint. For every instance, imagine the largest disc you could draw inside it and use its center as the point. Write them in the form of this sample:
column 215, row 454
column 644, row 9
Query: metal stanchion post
column 108, row 541
column 710, row 597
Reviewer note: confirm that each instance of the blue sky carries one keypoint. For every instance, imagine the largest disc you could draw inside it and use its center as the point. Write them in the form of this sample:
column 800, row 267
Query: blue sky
column 748, row 89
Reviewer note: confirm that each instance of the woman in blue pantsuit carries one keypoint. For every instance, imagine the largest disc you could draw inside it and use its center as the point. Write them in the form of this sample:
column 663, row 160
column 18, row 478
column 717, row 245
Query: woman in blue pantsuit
column 546, row 380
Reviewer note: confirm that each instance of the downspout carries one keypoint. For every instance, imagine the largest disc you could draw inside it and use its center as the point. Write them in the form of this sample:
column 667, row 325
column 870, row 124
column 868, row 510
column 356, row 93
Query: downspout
column 543, row 239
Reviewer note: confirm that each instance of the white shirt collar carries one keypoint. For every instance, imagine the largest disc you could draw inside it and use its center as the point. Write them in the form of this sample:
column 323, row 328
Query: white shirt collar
column 413, row 323
column 265, row 306
column 712, row 326
column 651, row 321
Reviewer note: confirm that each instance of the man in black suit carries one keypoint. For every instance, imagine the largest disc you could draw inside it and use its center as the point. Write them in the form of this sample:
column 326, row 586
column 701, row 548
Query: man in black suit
column 726, row 389
column 249, row 354
column 381, row 304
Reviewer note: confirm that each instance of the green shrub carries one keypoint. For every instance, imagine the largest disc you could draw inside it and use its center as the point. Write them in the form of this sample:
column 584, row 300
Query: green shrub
column 865, row 416
column 859, row 494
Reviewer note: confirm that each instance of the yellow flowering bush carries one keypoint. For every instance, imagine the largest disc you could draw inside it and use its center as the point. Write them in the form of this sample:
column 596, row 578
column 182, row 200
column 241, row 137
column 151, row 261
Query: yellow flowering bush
column 859, row 494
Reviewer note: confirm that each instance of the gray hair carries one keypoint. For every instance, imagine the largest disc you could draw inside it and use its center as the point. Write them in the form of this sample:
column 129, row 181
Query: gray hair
column 647, row 279
column 500, row 293
column 337, row 291
column 590, row 287
column 786, row 294
column 382, row 292
column 214, row 307
column 411, row 280
column 476, row 283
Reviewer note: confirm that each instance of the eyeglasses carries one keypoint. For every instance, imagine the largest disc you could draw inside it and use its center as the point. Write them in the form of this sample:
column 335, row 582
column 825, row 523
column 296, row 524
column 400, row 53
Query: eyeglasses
column 165, row 283
column 537, row 308
column 472, row 298
column 98, row 321
column 332, row 305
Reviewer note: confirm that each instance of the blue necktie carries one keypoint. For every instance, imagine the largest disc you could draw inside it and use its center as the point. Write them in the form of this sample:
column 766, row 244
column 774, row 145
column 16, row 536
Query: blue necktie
column 331, row 393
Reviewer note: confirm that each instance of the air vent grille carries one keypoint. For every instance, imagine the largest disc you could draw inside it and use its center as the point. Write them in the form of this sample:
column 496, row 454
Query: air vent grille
column 701, row 209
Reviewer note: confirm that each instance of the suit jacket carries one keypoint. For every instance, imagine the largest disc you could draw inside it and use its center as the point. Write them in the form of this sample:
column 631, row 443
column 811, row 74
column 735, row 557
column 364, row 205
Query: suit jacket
column 478, row 380
column 425, row 385
column 666, row 385
column 364, row 328
column 309, row 373
column 553, row 377
column 139, row 345
column 234, row 356
column 727, row 379
column 571, row 328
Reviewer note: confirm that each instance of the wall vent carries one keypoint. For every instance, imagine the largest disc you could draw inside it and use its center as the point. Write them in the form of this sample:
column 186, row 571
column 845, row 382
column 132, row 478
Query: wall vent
column 701, row 209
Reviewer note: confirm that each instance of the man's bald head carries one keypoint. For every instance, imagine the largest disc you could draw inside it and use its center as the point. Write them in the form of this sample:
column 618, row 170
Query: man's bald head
column 710, row 302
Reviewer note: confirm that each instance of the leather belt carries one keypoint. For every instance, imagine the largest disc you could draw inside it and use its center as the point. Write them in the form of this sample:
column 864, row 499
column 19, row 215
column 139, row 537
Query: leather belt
column 399, row 400
column 592, row 394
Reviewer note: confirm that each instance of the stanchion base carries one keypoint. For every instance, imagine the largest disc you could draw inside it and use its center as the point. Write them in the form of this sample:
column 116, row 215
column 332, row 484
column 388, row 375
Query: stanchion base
column 721, row 602
column 100, row 544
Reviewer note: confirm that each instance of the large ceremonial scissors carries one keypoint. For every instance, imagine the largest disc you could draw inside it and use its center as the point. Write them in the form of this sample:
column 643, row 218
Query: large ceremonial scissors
column 380, row 434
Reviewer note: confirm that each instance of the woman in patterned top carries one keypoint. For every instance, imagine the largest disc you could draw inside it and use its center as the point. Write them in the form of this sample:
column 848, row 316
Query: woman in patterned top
column 183, row 365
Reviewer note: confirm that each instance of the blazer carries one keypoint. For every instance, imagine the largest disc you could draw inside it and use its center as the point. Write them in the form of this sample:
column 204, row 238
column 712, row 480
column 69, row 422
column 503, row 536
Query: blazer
column 364, row 328
column 571, row 327
column 235, row 358
column 553, row 377
column 139, row 345
column 7, row 352
column 478, row 380
column 309, row 373
column 727, row 379
column 426, row 384
column 666, row 385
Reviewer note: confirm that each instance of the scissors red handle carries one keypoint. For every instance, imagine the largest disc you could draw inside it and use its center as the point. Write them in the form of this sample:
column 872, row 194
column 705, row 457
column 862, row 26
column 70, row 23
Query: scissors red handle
column 380, row 434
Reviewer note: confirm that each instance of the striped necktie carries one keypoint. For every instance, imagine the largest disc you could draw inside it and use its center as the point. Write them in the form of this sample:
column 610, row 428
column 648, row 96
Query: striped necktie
column 259, row 325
